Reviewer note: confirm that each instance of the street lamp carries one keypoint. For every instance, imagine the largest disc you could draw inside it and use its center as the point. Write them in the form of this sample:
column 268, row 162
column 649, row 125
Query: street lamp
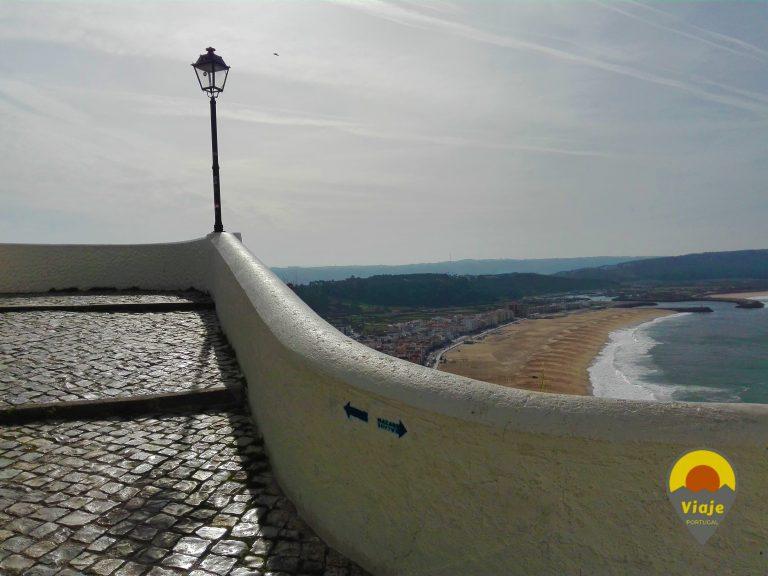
column 212, row 76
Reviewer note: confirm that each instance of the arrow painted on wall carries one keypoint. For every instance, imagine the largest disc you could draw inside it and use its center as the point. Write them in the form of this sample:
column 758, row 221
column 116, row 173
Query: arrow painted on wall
column 394, row 427
column 353, row 412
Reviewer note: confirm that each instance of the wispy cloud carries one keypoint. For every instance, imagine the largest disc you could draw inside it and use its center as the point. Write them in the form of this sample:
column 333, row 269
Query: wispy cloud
column 721, row 41
column 400, row 15
column 165, row 106
column 718, row 41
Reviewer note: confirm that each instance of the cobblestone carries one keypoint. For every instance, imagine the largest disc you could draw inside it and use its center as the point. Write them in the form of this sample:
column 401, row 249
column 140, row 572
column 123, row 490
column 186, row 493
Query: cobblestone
column 58, row 356
column 103, row 297
column 171, row 494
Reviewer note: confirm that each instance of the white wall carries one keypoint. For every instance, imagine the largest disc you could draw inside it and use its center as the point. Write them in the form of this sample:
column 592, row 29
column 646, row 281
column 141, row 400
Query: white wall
column 41, row 267
column 488, row 480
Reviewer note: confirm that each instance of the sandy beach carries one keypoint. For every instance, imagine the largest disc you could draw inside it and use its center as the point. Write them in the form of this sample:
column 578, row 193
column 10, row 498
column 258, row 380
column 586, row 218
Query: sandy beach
column 550, row 355
column 763, row 294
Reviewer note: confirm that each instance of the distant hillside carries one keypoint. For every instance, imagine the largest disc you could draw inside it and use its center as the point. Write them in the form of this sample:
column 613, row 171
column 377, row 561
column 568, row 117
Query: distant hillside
column 741, row 264
column 303, row 275
column 436, row 290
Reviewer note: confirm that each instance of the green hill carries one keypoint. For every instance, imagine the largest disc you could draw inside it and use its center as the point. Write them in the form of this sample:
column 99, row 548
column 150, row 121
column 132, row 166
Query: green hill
column 706, row 266
column 303, row 275
column 437, row 290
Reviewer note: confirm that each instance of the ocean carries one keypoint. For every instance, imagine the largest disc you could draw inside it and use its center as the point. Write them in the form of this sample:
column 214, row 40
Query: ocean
column 717, row 357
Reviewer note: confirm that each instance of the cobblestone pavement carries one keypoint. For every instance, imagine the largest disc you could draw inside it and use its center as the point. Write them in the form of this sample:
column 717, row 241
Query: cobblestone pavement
column 52, row 356
column 174, row 494
column 96, row 297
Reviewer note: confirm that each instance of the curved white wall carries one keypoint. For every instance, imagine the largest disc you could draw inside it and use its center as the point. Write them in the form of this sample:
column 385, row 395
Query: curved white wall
column 487, row 480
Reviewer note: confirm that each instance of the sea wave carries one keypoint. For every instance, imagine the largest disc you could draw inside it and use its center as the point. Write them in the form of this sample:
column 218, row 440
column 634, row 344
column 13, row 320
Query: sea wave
column 627, row 366
column 623, row 368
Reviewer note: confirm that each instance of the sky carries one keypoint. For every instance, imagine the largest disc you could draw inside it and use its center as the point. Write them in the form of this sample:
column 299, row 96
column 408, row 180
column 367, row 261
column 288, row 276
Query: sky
column 390, row 131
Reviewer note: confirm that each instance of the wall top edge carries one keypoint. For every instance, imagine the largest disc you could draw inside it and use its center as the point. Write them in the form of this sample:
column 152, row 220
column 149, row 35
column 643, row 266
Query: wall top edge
column 327, row 350
column 96, row 246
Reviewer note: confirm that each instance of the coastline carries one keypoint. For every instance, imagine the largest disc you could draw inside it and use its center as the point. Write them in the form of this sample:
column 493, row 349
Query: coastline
column 546, row 354
column 759, row 295
column 608, row 381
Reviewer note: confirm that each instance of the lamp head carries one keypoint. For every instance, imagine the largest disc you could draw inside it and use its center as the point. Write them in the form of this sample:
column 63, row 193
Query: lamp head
column 211, row 72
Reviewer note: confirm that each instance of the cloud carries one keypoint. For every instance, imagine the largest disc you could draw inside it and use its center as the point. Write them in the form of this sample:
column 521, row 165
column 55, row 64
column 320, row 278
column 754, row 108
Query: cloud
column 188, row 107
column 711, row 37
column 390, row 131
column 407, row 17
column 719, row 41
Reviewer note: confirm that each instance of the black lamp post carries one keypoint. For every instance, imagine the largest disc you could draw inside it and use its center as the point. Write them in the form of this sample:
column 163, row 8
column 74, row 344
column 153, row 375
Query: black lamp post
column 212, row 76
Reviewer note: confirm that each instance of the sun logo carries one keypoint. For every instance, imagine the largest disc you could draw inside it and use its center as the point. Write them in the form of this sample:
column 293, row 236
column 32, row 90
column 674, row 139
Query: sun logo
column 702, row 487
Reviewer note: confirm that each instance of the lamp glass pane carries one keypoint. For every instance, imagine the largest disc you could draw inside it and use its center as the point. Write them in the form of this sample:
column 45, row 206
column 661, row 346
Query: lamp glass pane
column 200, row 78
column 221, row 79
column 205, row 78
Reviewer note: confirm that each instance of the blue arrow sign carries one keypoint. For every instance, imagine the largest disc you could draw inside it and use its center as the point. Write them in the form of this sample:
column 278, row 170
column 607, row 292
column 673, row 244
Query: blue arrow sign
column 353, row 412
column 394, row 427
